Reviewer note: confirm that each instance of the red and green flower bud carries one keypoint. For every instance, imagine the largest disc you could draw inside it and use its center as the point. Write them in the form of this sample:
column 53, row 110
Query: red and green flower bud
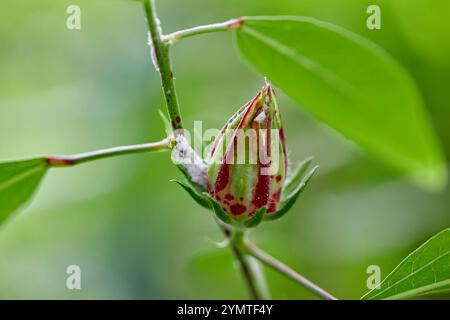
column 247, row 163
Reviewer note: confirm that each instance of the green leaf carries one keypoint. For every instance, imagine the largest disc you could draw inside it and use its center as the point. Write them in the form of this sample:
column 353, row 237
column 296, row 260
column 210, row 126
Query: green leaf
column 18, row 181
column 425, row 271
column 351, row 84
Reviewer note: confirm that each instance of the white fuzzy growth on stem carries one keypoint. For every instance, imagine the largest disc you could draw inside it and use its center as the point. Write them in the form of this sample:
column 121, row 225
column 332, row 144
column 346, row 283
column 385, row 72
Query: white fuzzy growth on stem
column 183, row 154
column 152, row 52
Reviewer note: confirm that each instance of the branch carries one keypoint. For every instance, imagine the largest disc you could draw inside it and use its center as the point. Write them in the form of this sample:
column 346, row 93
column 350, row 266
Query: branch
column 285, row 270
column 71, row 160
column 222, row 26
column 251, row 273
column 162, row 57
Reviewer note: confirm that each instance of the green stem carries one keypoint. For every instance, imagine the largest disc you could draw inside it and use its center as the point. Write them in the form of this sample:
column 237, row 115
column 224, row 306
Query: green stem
column 71, row 160
column 258, row 276
column 222, row 26
column 285, row 270
column 162, row 60
column 250, row 269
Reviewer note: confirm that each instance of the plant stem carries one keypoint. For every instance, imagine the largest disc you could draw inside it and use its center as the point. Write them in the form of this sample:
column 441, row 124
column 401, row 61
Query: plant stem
column 162, row 57
column 251, row 272
column 221, row 26
column 285, row 270
column 71, row 160
column 246, row 272
column 258, row 276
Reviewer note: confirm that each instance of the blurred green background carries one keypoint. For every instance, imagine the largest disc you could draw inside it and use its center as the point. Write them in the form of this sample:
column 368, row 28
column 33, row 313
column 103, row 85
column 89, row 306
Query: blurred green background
column 134, row 234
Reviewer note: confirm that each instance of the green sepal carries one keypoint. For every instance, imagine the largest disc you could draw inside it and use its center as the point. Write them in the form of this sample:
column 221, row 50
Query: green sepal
column 198, row 197
column 257, row 218
column 294, row 179
column 292, row 198
column 220, row 214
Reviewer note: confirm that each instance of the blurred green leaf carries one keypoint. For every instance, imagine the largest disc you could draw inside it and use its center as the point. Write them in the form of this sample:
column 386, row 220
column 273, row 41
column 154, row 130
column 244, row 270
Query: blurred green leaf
column 425, row 271
column 425, row 26
column 18, row 181
column 351, row 84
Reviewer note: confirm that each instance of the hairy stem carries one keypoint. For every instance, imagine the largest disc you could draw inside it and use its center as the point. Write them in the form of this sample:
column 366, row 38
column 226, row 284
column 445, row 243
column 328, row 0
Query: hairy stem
column 287, row 271
column 162, row 61
column 71, row 160
column 222, row 26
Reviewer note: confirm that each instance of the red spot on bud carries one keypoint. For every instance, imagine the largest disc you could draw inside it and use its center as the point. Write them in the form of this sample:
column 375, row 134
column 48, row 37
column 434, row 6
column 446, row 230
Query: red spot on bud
column 273, row 201
column 178, row 119
column 252, row 213
column 283, row 143
column 261, row 195
column 278, row 178
column 229, row 197
column 237, row 209
column 222, row 178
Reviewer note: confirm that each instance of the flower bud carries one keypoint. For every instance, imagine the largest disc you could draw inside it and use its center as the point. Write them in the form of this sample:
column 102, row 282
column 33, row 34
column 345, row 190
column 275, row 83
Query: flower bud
column 247, row 162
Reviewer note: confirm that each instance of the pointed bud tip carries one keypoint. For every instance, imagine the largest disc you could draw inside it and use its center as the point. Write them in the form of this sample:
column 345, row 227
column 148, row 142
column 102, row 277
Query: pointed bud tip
column 267, row 85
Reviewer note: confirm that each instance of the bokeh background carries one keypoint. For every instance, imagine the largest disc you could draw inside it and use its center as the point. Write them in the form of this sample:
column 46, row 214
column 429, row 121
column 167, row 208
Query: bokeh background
column 134, row 234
